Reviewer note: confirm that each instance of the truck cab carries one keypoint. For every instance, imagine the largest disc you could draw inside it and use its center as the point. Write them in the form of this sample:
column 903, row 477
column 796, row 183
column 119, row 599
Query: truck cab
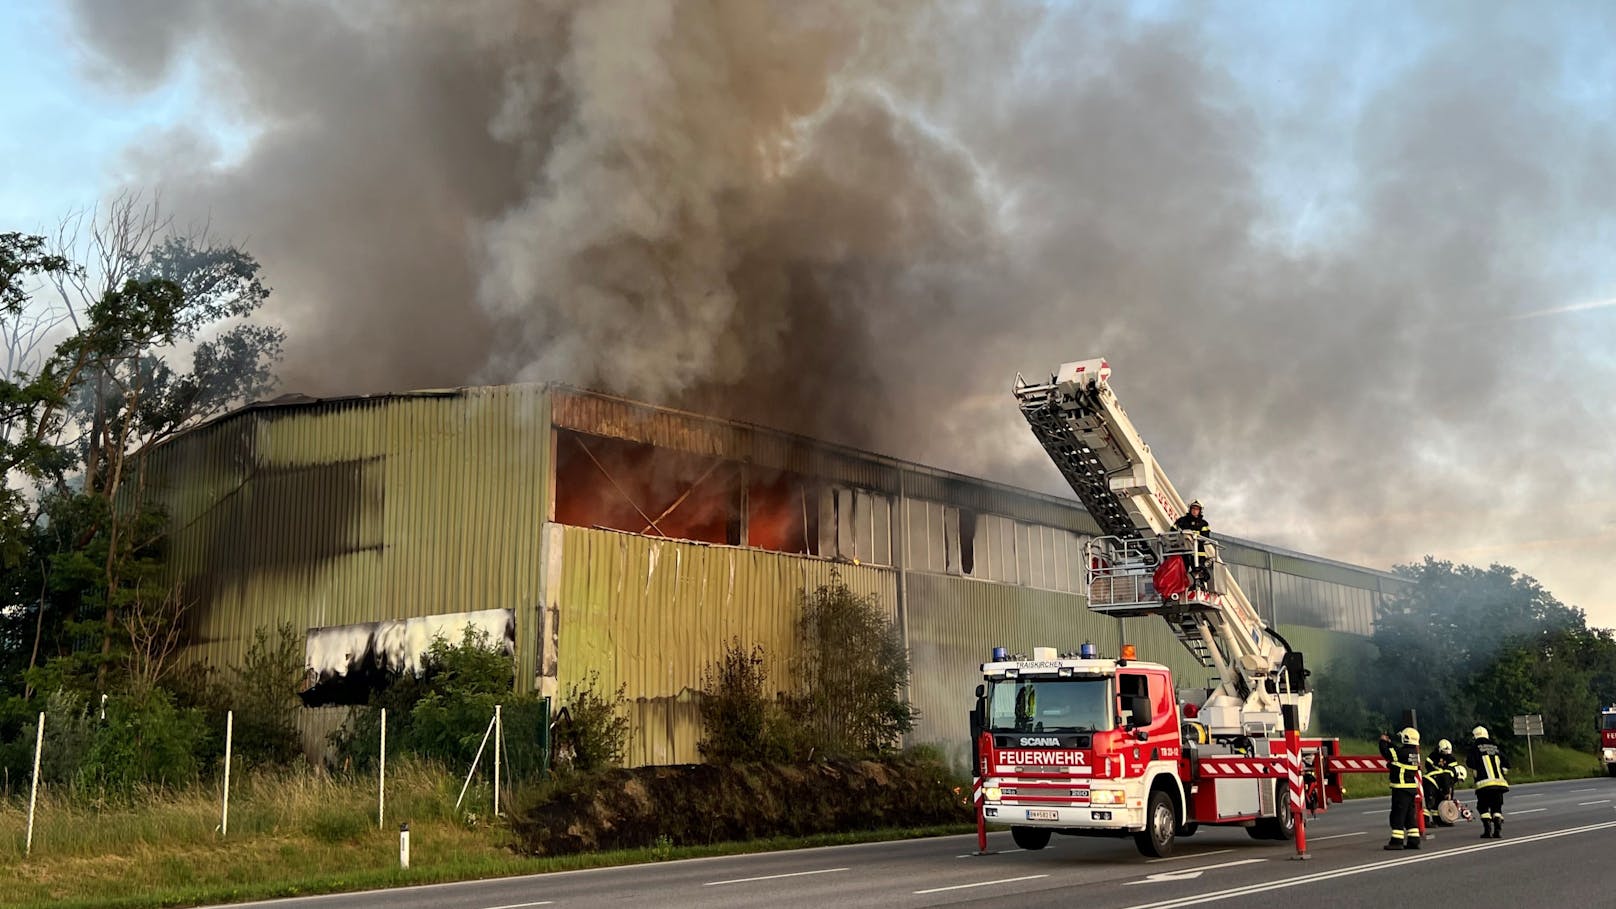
column 1075, row 744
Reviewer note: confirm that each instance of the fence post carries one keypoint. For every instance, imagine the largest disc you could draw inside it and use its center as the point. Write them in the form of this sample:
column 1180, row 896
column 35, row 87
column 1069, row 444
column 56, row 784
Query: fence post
column 474, row 762
column 404, row 845
column 499, row 736
column 229, row 734
column 381, row 779
column 33, row 789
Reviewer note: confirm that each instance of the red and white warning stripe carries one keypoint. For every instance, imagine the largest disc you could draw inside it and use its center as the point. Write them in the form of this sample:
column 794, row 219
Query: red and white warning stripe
column 1342, row 764
column 1250, row 768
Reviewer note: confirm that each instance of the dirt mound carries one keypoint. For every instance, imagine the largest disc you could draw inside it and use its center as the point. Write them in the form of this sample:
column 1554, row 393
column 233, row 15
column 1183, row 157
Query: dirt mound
column 700, row 803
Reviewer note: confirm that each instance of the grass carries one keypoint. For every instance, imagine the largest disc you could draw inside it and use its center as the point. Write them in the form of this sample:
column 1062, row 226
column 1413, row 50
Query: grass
column 291, row 834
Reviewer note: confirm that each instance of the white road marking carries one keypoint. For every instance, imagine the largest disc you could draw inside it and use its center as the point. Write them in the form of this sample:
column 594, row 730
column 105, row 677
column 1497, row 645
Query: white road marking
column 1589, row 789
column 1198, row 899
column 522, row 905
column 1188, row 873
column 1377, row 811
column 1190, row 855
column 1598, row 802
column 771, row 877
column 1008, row 880
column 1334, row 836
column 1529, row 811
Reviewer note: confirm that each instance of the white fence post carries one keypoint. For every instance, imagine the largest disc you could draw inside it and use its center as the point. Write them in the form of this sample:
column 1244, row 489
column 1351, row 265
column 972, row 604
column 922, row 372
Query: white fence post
column 499, row 735
column 229, row 735
column 33, row 790
column 404, row 845
column 381, row 781
column 476, row 759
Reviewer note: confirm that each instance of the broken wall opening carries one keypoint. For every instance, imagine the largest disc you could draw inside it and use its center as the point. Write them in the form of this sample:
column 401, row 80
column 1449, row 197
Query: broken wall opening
column 635, row 488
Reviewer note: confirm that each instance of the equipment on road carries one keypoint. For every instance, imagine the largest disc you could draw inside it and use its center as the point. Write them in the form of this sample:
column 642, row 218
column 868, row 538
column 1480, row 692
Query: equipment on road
column 1083, row 744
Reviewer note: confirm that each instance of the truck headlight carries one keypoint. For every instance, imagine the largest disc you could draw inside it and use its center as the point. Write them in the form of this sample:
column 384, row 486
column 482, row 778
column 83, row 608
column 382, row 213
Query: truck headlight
column 994, row 793
column 1106, row 797
column 1610, row 754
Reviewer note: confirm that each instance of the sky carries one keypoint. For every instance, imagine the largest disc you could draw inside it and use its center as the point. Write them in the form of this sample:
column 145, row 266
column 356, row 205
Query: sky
column 1350, row 262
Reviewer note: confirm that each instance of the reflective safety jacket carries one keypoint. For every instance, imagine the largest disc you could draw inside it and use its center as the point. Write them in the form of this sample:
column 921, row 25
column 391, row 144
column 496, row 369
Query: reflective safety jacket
column 1488, row 764
column 1439, row 770
column 1402, row 765
column 1192, row 523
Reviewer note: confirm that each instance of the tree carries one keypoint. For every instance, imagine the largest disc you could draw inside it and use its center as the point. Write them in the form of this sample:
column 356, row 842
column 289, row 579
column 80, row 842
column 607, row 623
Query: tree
column 1466, row 646
column 852, row 668
column 82, row 545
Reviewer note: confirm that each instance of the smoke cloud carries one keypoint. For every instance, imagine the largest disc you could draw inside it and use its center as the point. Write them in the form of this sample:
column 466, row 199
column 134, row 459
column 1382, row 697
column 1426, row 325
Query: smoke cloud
column 1308, row 264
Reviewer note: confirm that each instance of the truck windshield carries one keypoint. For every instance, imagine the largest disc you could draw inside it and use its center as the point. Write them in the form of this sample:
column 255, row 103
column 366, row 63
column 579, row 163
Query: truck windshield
column 1049, row 705
column 1608, row 721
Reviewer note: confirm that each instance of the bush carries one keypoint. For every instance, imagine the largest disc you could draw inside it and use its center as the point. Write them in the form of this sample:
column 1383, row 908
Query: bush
column 595, row 732
column 852, row 668
column 143, row 741
column 264, row 697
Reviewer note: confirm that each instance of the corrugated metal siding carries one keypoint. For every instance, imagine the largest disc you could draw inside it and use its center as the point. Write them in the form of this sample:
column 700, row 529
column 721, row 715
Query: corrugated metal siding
column 359, row 510
column 990, row 499
column 954, row 624
column 652, row 614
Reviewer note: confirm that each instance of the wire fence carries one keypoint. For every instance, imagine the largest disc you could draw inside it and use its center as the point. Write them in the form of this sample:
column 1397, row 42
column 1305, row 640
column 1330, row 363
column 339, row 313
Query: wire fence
column 515, row 749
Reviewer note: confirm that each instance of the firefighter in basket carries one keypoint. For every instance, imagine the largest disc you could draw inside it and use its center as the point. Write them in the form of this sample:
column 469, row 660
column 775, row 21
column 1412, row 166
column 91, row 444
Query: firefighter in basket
column 1439, row 778
column 1402, row 771
column 1193, row 522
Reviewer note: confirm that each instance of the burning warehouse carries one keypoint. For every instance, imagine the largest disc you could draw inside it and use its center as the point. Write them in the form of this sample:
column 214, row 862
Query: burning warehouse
column 587, row 533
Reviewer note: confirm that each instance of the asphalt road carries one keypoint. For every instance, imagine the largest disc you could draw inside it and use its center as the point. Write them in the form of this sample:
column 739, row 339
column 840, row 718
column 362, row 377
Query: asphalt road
column 1559, row 840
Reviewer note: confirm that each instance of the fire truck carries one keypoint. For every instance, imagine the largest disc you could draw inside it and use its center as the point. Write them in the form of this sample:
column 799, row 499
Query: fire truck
column 1607, row 738
column 1080, row 742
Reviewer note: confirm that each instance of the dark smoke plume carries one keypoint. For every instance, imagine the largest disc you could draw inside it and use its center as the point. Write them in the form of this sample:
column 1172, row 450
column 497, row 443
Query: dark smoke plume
column 860, row 220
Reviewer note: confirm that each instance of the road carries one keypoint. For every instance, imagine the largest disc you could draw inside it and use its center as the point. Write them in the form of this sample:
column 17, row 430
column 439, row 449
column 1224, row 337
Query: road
column 1560, row 837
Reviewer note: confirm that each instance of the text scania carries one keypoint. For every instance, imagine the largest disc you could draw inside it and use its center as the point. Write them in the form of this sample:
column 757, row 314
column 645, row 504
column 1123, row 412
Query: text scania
column 1037, row 742
column 1043, row 758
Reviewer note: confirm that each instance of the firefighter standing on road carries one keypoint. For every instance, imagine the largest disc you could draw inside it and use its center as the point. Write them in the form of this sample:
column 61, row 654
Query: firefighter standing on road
column 1403, row 771
column 1193, row 522
column 1490, row 766
column 1439, row 782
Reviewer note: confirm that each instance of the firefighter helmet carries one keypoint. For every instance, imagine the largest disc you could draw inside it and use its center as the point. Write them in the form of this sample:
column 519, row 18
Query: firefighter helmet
column 1409, row 736
column 1195, row 504
column 1444, row 746
column 1480, row 732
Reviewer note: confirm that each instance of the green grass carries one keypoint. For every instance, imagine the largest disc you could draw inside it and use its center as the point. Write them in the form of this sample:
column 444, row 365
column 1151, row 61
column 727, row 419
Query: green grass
column 291, row 834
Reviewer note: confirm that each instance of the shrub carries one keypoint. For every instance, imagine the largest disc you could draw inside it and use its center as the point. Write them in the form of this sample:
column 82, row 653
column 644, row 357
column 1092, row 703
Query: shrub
column 264, row 697
column 852, row 669
column 596, row 731
column 734, row 710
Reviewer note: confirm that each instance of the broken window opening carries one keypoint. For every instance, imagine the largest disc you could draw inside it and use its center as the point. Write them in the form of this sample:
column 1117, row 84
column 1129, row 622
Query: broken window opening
column 967, row 541
column 617, row 485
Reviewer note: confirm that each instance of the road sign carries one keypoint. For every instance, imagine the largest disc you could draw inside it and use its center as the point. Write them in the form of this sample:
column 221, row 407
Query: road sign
column 1531, row 724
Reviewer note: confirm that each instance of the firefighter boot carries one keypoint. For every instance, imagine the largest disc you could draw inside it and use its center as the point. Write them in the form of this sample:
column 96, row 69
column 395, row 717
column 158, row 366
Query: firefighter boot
column 1498, row 828
column 1396, row 842
column 1412, row 841
column 1486, row 828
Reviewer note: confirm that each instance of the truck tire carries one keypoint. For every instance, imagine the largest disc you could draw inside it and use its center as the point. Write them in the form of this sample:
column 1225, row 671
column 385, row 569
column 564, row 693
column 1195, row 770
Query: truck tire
column 1282, row 828
column 1030, row 838
column 1161, row 818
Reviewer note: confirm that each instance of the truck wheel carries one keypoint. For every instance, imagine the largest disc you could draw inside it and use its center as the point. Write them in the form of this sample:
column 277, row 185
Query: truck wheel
column 1156, row 840
column 1280, row 828
column 1032, row 838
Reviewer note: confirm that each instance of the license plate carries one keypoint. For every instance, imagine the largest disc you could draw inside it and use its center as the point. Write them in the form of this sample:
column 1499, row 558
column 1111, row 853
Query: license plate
column 1042, row 814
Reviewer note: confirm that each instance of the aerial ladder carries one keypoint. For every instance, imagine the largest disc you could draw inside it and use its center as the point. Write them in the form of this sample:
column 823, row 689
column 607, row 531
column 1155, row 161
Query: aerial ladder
column 1085, row 431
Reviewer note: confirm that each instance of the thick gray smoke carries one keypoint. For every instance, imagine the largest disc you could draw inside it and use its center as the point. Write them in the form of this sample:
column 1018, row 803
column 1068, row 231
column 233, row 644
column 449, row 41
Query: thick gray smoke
column 861, row 220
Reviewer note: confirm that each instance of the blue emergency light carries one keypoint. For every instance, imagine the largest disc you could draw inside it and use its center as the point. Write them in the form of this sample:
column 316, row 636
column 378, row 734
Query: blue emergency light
column 1088, row 651
column 999, row 654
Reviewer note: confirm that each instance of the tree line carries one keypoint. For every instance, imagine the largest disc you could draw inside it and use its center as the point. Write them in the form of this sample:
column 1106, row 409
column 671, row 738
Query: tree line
column 1467, row 646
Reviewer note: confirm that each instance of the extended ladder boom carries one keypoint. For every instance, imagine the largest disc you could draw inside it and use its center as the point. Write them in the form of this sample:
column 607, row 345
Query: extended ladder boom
column 1083, row 428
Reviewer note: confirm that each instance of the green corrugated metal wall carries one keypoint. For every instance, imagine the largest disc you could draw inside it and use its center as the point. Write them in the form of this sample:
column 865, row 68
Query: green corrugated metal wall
column 358, row 511
column 954, row 624
column 651, row 614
